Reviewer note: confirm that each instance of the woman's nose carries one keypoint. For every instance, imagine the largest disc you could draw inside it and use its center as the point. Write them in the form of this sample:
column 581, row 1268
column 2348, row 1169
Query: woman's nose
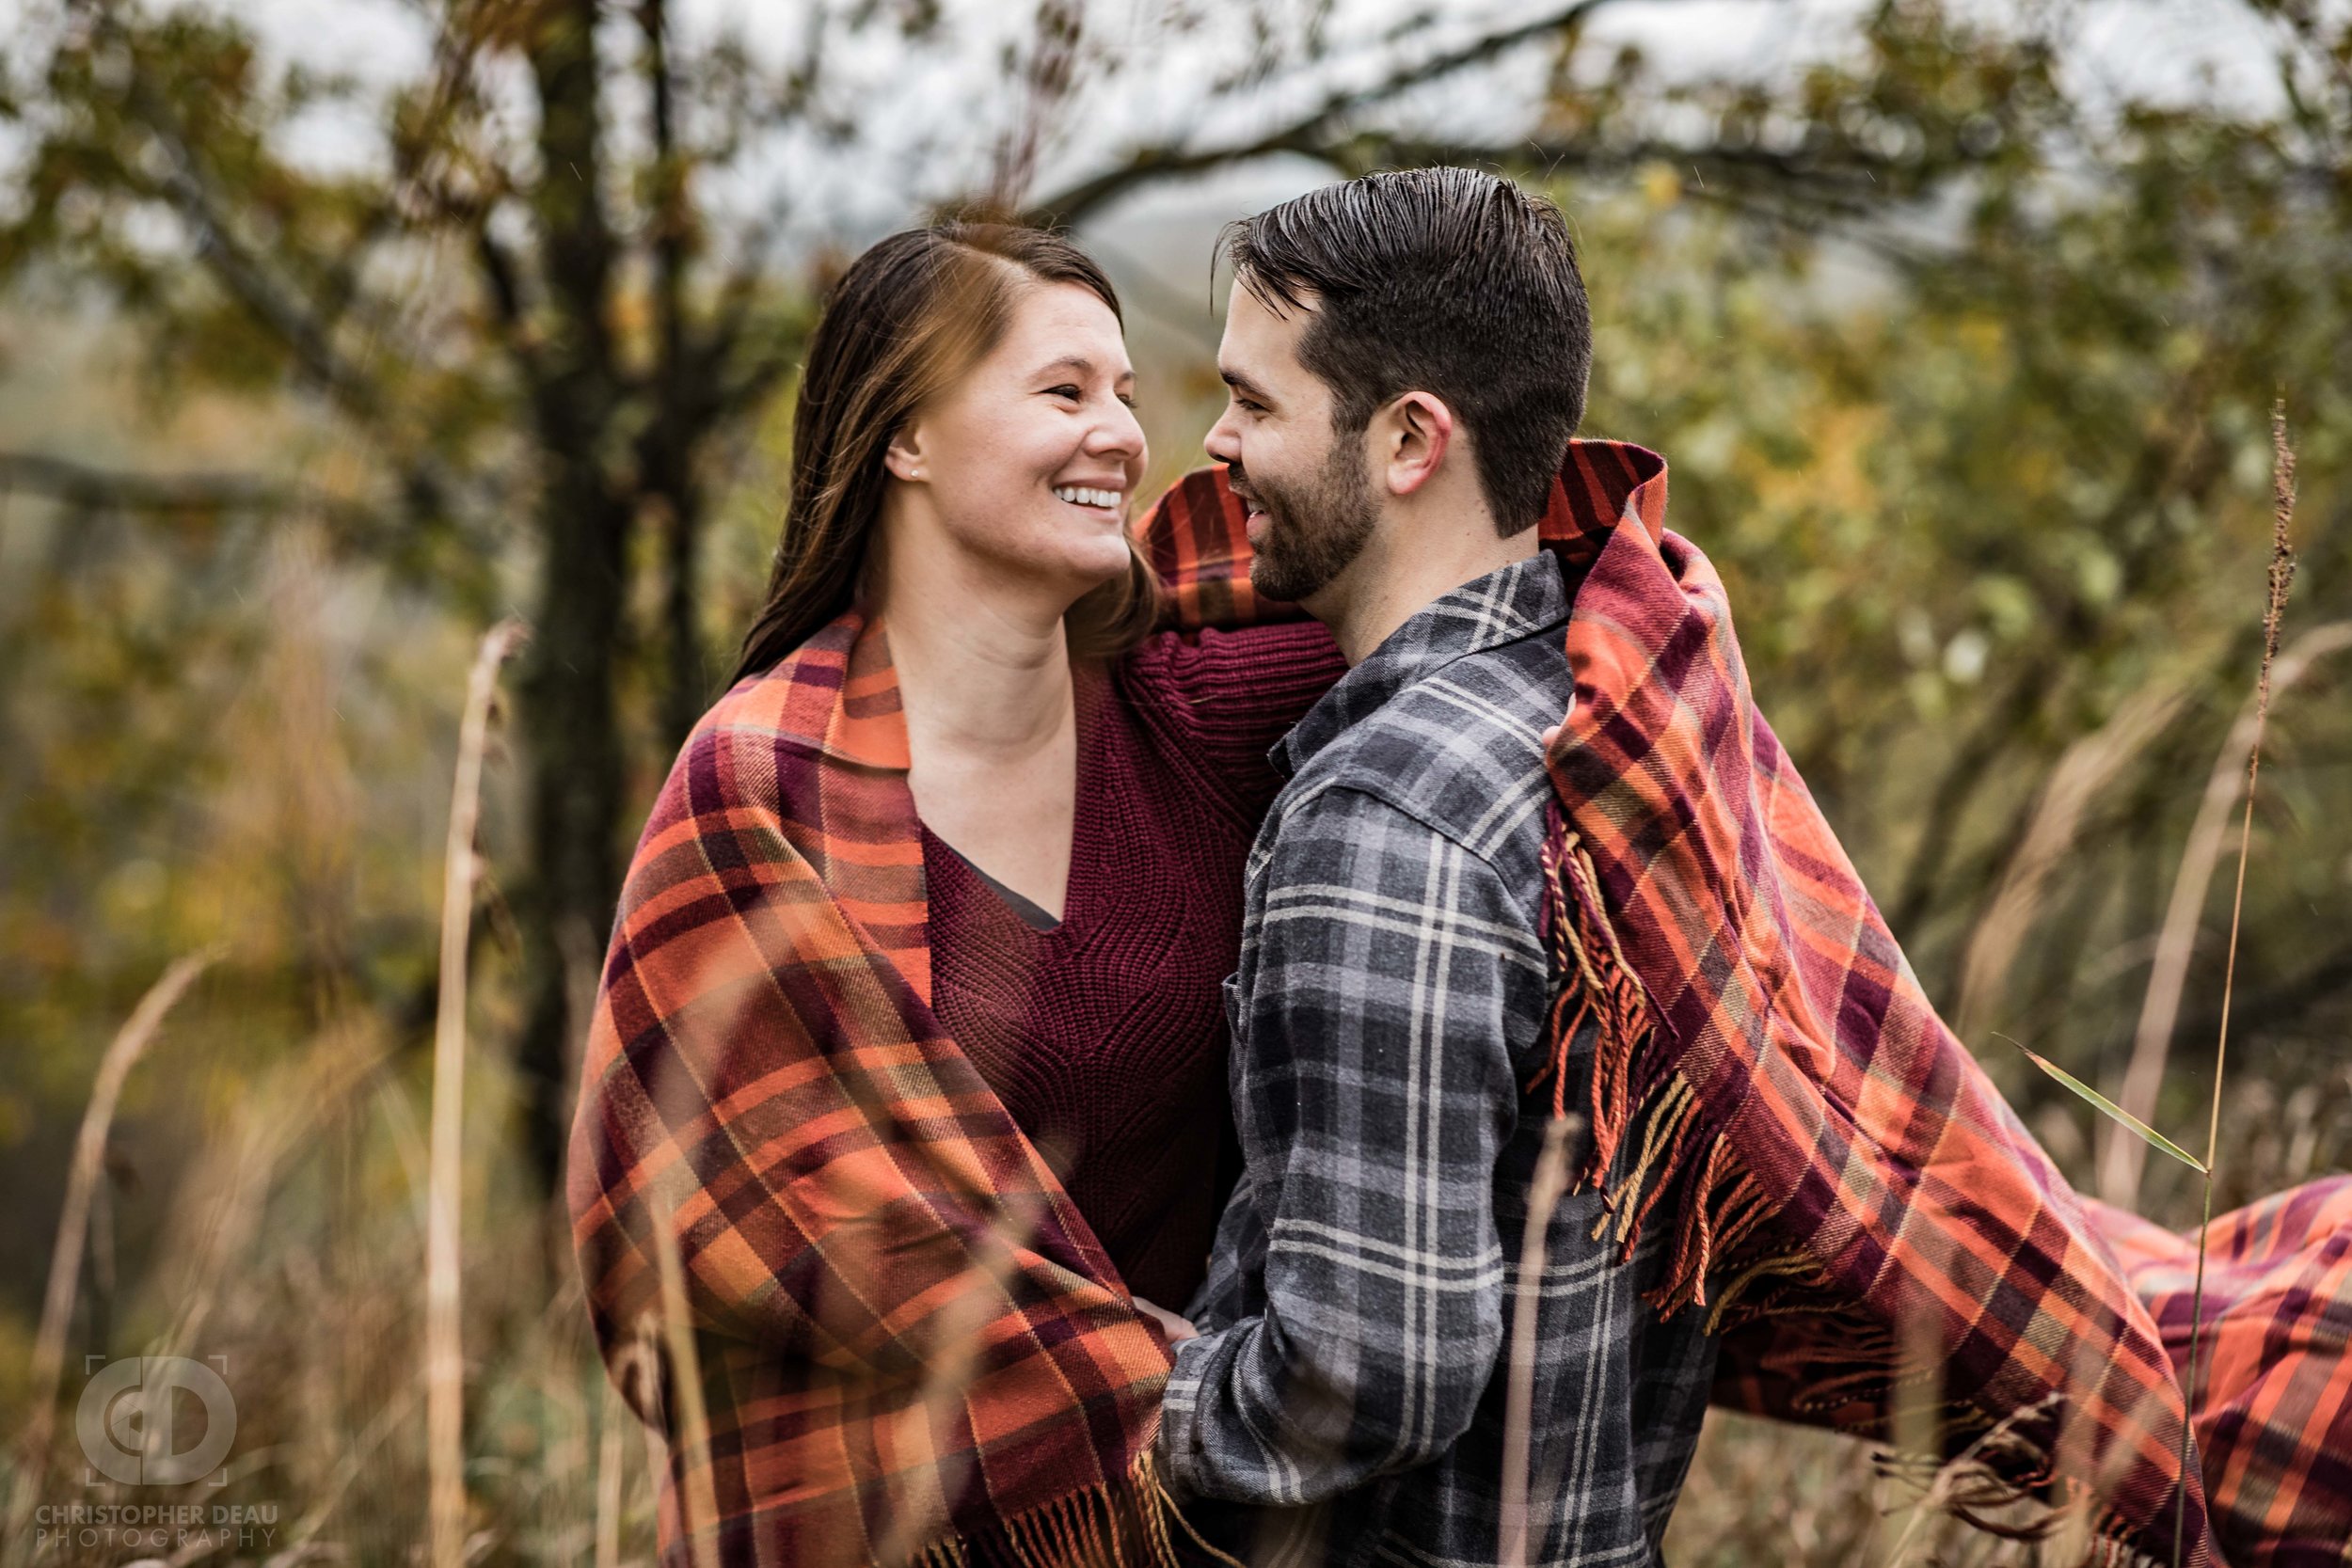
column 1119, row 434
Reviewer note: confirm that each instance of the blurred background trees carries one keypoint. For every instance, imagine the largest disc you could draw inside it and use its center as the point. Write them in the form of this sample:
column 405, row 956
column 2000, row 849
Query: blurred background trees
column 332, row 333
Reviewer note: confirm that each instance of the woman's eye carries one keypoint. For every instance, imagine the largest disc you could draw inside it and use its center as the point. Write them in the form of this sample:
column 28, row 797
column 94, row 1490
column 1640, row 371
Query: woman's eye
column 1066, row 391
column 1127, row 398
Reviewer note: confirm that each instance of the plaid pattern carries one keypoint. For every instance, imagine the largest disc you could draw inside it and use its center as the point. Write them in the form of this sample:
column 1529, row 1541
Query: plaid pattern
column 2273, row 1422
column 907, row 1343
column 1838, row 1173
column 1393, row 999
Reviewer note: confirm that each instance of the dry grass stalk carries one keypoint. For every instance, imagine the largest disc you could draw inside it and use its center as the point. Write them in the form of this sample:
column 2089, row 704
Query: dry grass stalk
column 2125, row 1159
column 612, row 1452
column 2085, row 769
column 699, row 1503
column 82, row 1177
column 1970, row 1485
column 444, row 1356
column 1545, row 1189
column 951, row 1372
column 353, row 1462
column 2281, row 579
column 223, row 1199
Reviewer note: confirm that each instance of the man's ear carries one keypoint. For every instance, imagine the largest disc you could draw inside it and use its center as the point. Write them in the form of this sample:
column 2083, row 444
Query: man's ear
column 1417, row 431
column 903, row 456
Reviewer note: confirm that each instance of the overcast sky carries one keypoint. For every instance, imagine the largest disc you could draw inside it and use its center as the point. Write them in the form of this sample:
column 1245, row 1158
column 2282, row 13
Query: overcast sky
column 928, row 116
column 924, row 107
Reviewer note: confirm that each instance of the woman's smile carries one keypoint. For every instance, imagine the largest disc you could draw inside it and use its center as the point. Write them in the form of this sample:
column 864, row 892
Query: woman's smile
column 1089, row 498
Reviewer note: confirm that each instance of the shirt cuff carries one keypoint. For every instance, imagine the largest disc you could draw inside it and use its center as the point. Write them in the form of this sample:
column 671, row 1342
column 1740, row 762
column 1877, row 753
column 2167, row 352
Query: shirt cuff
column 1178, row 1449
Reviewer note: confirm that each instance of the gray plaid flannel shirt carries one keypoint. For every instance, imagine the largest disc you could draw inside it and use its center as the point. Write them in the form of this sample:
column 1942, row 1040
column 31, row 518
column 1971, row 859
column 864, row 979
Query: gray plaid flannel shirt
column 1344, row 1402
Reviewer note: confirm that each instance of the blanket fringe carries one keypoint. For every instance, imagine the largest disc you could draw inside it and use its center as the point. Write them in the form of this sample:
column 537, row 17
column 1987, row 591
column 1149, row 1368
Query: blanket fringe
column 1119, row 1524
column 1997, row 1485
column 1653, row 1149
column 1638, row 1101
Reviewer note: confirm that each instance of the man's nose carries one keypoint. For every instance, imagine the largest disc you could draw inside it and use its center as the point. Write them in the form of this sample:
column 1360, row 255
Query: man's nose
column 1223, row 442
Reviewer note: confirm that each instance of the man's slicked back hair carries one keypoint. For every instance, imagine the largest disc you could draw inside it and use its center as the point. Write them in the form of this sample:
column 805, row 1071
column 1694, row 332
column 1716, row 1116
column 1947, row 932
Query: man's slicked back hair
column 1443, row 280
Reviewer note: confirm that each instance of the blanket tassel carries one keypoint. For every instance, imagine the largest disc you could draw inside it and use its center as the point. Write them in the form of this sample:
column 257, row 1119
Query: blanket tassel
column 1110, row 1525
column 1637, row 1099
column 1640, row 1101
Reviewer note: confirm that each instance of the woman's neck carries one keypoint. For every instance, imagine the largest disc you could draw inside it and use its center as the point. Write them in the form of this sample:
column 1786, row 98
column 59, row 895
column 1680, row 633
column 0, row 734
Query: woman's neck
column 983, row 664
column 983, row 670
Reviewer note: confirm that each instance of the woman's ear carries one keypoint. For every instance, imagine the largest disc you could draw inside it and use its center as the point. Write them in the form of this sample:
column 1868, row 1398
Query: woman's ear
column 903, row 458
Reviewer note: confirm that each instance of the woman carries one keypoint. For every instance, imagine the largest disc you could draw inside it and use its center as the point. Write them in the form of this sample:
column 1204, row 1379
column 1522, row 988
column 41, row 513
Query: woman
column 907, row 1075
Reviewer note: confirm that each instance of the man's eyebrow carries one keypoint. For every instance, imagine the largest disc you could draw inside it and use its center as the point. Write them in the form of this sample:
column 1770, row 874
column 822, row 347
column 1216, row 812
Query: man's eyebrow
column 1243, row 384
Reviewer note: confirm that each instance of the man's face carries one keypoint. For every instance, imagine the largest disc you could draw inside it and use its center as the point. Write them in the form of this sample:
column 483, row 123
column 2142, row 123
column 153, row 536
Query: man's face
column 1307, row 486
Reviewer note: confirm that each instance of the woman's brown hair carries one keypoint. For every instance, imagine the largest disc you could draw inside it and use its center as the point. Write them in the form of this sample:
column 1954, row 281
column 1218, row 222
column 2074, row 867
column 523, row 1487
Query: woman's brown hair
column 908, row 316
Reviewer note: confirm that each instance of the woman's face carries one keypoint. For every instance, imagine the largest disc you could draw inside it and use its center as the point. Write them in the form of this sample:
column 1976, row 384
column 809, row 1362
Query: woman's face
column 1027, row 463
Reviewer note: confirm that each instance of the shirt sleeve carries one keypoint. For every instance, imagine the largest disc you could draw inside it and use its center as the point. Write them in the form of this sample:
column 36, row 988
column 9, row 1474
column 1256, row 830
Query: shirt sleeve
column 1378, row 1013
column 1236, row 1258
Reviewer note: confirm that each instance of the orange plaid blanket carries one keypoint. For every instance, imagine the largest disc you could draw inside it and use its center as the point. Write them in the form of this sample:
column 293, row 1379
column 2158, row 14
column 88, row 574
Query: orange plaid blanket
column 1851, row 1196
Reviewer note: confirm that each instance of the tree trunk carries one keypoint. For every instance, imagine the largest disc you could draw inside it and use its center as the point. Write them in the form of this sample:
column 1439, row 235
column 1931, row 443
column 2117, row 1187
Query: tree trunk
column 574, row 763
column 572, row 739
column 685, row 691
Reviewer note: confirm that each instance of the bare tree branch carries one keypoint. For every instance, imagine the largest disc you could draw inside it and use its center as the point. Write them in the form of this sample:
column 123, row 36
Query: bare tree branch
column 502, row 276
column 278, row 304
column 83, row 485
column 1316, row 133
column 669, row 218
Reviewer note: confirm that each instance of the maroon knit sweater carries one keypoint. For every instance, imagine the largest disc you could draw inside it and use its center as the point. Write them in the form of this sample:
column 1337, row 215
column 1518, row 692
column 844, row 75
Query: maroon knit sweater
column 1105, row 1036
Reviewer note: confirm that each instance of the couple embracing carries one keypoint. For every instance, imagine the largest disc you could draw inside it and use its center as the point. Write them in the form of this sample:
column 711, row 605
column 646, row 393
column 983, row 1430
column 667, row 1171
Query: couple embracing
column 1098, row 1006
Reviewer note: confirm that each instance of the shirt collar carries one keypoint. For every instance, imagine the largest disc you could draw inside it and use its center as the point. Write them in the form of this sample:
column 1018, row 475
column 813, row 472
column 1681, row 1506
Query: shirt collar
column 1517, row 600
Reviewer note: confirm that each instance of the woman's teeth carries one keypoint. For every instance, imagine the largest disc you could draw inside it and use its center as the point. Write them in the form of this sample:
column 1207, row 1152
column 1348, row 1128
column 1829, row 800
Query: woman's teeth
column 1078, row 494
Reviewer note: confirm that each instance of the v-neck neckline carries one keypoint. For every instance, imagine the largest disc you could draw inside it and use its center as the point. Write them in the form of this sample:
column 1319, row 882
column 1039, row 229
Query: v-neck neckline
column 1090, row 693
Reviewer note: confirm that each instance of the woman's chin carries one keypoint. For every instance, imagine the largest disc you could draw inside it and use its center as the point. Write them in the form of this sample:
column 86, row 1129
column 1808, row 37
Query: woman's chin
column 1065, row 565
column 1095, row 562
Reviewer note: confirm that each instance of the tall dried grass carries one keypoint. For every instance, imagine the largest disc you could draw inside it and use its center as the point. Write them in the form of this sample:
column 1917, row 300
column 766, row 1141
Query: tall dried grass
column 2124, row 1158
column 2280, row 580
column 65, row 1259
column 2084, row 770
column 1546, row 1187
column 444, row 1363
column 699, row 1504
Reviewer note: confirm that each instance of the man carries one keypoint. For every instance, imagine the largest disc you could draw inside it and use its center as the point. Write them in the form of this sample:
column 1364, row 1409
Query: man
column 1406, row 355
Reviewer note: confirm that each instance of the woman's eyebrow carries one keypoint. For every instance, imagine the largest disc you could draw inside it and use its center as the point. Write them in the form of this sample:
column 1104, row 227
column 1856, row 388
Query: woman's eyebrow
column 1080, row 363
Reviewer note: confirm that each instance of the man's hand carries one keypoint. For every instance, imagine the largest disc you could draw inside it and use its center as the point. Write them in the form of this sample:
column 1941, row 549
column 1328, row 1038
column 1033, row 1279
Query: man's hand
column 1173, row 1328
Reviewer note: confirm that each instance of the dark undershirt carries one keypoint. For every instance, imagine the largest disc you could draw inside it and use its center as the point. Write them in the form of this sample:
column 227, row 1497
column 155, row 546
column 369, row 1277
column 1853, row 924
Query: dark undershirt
column 1038, row 916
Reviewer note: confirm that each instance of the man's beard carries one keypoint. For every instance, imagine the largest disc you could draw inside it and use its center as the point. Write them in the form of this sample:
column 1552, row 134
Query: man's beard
column 1314, row 529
